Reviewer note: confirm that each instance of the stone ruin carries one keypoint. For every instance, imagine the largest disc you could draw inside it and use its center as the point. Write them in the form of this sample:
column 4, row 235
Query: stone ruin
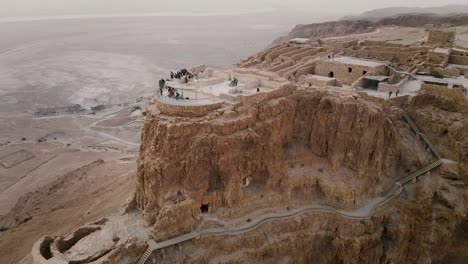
column 97, row 242
column 55, row 111
column 441, row 37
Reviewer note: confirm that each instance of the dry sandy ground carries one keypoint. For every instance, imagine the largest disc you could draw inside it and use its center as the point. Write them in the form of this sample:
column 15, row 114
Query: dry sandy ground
column 81, row 172
column 83, row 195
column 91, row 62
column 70, row 143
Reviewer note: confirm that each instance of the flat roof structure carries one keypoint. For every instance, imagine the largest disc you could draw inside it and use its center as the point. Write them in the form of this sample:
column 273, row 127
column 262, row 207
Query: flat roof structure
column 299, row 40
column 321, row 78
column 379, row 78
column 451, row 65
column 442, row 50
column 356, row 61
column 444, row 81
column 462, row 50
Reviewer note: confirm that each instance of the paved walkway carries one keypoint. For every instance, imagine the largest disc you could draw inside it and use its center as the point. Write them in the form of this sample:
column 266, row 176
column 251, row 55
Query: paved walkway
column 105, row 135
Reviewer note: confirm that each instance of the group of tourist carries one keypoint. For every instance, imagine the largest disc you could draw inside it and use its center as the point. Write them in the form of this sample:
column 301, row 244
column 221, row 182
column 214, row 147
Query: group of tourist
column 171, row 92
column 396, row 94
column 234, row 82
column 182, row 73
column 162, row 83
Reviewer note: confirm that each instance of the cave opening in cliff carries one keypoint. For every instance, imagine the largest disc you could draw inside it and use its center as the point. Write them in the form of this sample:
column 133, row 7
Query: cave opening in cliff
column 205, row 208
column 327, row 107
column 331, row 74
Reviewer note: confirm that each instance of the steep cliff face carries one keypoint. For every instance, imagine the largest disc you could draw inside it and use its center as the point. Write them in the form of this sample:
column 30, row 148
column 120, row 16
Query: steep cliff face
column 443, row 115
column 334, row 148
column 417, row 227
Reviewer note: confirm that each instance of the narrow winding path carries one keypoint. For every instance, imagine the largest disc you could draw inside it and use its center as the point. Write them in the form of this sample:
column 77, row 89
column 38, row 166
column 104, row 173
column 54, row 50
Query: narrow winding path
column 89, row 129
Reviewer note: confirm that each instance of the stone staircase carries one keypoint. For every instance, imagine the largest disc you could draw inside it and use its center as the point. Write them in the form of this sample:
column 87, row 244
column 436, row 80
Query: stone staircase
column 426, row 139
column 149, row 250
column 420, row 171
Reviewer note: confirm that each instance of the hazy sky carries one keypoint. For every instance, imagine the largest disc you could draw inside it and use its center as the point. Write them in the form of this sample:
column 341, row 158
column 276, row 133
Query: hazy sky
column 64, row 7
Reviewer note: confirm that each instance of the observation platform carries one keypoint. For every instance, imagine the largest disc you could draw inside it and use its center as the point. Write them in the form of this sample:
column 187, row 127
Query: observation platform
column 211, row 90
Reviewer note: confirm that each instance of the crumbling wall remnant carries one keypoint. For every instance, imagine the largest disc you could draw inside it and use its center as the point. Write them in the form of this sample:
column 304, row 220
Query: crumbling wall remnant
column 441, row 37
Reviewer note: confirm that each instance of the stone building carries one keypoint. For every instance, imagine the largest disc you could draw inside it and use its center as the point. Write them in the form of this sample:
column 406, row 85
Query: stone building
column 443, row 84
column 347, row 70
column 441, row 37
column 458, row 56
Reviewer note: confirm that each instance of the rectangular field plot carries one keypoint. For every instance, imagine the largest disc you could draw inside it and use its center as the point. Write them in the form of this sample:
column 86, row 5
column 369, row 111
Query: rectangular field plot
column 15, row 158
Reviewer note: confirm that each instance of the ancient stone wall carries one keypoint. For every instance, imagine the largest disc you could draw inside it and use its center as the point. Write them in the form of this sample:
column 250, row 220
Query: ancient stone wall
column 381, row 55
column 308, row 69
column 282, row 66
column 459, row 52
column 430, row 86
column 315, row 80
column 290, row 54
column 254, row 74
column 386, row 87
column 396, row 49
column 454, row 72
column 441, row 37
column 274, row 54
column 307, row 53
column 186, row 110
column 271, row 84
column 457, row 69
column 380, row 43
column 340, row 45
column 347, row 73
column 454, row 92
column 261, row 97
column 458, row 59
column 437, row 57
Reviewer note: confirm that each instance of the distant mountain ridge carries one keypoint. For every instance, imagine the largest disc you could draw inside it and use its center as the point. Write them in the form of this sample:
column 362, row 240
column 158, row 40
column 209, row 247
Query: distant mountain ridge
column 393, row 11
column 347, row 27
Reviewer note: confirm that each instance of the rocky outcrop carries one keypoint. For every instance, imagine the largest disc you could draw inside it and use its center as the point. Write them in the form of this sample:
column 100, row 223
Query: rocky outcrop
column 417, row 227
column 443, row 115
column 119, row 239
column 335, row 148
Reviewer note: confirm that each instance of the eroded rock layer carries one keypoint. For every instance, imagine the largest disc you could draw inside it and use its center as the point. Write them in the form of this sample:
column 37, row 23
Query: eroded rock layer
column 336, row 148
column 312, row 146
column 418, row 227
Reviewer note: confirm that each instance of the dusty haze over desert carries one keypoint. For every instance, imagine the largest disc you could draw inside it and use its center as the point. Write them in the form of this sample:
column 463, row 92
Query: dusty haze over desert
column 290, row 132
